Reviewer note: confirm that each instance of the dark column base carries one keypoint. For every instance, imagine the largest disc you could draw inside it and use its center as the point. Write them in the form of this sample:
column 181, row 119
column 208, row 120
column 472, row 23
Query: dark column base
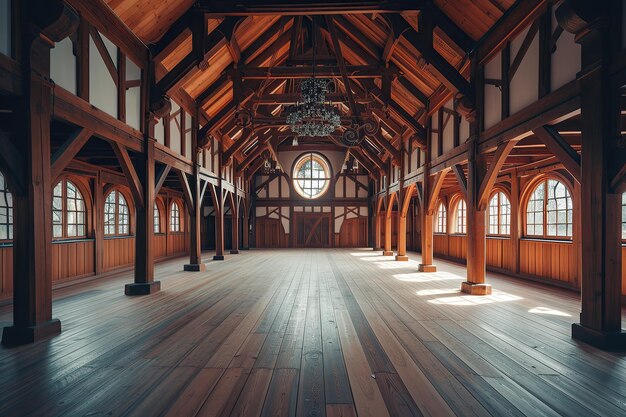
column 402, row 258
column 426, row 268
column 387, row 253
column 143, row 288
column 17, row 335
column 475, row 289
column 195, row 267
column 218, row 257
column 234, row 252
column 613, row 341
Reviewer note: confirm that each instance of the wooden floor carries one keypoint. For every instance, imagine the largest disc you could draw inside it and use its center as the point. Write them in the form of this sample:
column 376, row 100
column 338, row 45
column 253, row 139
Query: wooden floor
column 311, row 333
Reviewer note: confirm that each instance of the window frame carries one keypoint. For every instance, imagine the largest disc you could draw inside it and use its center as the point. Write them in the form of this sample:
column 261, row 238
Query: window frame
column 156, row 218
column 323, row 162
column 170, row 224
column 116, row 214
column 457, row 201
column 444, row 219
column 64, row 181
column 496, row 193
column 7, row 197
column 530, row 192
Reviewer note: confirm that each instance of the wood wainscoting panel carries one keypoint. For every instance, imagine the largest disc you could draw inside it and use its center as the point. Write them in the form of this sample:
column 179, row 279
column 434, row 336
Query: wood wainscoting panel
column 119, row 252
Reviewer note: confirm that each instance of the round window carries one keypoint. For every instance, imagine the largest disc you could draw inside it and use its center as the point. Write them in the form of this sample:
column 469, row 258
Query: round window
column 311, row 175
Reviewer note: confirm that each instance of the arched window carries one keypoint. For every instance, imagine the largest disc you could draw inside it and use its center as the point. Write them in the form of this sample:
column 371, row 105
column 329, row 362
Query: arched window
column 440, row 219
column 624, row 216
column 549, row 210
column 116, row 215
column 461, row 217
column 311, row 175
column 68, row 211
column 175, row 218
column 499, row 214
column 6, row 211
column 157, row 218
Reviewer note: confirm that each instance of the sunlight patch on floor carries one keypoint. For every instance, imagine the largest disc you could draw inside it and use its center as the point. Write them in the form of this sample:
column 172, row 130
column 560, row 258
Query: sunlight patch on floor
column 470, row 300
column 438, row 291
column 427, row 277
column 548, row 311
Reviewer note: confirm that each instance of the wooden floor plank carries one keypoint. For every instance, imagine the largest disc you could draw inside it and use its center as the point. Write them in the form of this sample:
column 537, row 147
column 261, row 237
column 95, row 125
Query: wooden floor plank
column 341, row 333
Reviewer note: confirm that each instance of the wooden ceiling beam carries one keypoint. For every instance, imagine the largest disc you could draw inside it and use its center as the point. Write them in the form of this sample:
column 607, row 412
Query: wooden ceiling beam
column 441, row 68
column 561, row 149
column 172, row 38
column 200, row 53
column 353, row 71
column 291, row 8
column 449, row 28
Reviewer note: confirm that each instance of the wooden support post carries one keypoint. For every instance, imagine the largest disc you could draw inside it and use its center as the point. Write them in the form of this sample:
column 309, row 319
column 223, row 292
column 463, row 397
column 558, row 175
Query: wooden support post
column 32, row 205
column 601, row 315
column 144, row 282
column 245, row 241
column 476, row 232
column 388, row 221
column 403, row 208
column 217, row 194
column 376, row 244
column 430, row 191
column 234, row 213
column 98, row 225
column 195, row 219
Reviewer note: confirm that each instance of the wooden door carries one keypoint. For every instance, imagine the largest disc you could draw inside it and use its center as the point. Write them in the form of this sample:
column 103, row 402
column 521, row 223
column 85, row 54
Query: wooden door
column 313, row 230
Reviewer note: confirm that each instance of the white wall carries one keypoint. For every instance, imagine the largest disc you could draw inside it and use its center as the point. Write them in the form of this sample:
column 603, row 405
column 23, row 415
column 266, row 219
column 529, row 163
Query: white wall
column 448, row 129
column 159, row 132
column 5, row 27
column 102, row 88
column 565, row 60
column 63, row 65
column 175, row 144
column 133, row 96
column 493, row 95
column 188, row 129
column 525, row 83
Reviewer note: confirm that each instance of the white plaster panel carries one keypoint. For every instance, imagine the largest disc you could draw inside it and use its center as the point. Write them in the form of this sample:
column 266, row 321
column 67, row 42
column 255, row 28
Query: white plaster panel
column 102, row 88
column 448, row 132
column 326, row 209
column 273, row 185
column 159, row 132
column 493, row 95
column 133, row 96
column 286, row 190
column 339, row 187
column 286, row 225
column 525, row 83
column 350, row 189
column 63, row 65
column 188, row 129
column 566, row 58
column 175, row 122
column 261, row 211
column 297, row 209
column 363, row 211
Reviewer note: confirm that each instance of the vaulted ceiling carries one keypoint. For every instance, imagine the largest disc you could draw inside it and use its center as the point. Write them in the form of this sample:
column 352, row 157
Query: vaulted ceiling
column 392, row 61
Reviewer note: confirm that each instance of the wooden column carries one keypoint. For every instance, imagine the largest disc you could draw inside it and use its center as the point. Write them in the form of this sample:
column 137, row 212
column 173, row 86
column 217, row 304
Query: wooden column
column 376, row 221
column 234, row 209
column 144, row 282
column 600, row 318
column 401, row 255
column 218, row 204
column 44, row 23
column 430, row 191
column 245, row 243
column 476, row 232
column 388, row 220
column 98, row 224
column 195, row 220
column 403, row 209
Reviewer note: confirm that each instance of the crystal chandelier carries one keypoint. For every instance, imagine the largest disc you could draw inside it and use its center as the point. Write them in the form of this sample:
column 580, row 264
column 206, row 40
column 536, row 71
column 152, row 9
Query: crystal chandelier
column 313, row 115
